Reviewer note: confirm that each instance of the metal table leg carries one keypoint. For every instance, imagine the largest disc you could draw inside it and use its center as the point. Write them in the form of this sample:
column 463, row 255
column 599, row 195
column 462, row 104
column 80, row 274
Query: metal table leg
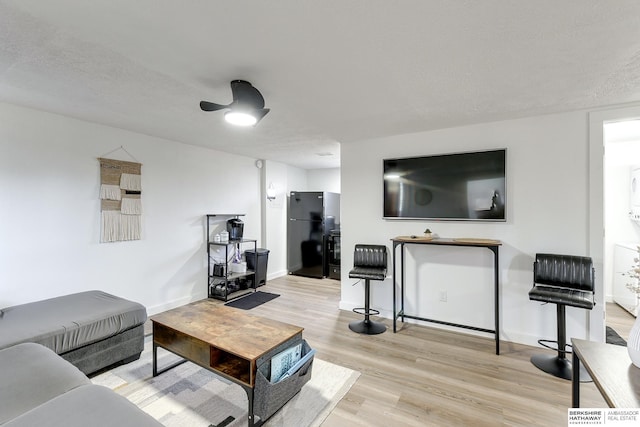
column 575, row 382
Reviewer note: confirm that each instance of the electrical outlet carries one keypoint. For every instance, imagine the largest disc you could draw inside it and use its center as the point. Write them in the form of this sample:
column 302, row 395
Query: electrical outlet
column 443, row 296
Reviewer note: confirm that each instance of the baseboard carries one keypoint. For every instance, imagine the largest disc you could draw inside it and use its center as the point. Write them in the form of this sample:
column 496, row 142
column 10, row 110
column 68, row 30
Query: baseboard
column 173, row 304
column 191, row 298
column 506, row 336
column 275, row 275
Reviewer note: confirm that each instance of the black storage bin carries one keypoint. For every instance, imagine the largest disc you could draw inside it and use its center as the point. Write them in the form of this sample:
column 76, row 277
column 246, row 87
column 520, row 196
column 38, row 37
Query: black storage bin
column 263, row 259
column 270, row 397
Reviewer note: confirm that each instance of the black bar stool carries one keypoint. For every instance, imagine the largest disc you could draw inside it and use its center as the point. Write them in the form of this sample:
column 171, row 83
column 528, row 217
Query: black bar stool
column 564, row 280
column 369, row 263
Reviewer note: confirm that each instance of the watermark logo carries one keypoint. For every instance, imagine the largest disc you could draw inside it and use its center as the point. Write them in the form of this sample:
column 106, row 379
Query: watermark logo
column 603, row 416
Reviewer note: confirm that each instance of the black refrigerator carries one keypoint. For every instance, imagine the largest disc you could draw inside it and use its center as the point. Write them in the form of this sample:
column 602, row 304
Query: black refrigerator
column 312, row 216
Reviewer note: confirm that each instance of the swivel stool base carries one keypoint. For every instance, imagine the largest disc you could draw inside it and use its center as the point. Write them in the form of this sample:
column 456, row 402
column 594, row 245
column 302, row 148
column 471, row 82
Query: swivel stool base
column 367, row 327
column 558, row 367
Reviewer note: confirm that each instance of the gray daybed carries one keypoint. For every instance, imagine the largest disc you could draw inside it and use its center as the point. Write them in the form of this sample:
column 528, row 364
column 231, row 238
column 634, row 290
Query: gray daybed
column 39, row 388
column 93, row 330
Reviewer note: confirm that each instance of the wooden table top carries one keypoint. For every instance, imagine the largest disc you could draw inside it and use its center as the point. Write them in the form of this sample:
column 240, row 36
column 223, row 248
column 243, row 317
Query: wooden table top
column 226, row 328
column 461, row 241
column 612, row 372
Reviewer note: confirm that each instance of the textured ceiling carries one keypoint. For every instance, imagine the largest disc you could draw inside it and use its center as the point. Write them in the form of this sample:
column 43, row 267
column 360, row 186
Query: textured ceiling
column 331, row 71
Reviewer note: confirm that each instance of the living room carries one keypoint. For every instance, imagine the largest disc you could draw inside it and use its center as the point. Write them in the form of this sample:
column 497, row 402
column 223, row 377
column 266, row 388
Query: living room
column 51, row 211
column 51, row 166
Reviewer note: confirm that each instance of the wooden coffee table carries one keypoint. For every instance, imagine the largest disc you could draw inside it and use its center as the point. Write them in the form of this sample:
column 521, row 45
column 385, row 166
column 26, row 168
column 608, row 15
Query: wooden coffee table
column 227, row 341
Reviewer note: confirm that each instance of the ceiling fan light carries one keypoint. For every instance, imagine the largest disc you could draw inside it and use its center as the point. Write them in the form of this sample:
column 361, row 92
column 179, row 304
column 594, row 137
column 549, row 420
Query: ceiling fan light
column 240, row 118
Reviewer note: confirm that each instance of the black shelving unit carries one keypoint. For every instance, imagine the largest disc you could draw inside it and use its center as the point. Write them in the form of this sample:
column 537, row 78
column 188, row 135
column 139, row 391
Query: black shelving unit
column 222, row 283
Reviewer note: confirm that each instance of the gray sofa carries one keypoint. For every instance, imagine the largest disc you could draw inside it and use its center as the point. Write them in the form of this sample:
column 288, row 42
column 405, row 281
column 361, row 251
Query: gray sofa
column 39, row 388
column 93, row 330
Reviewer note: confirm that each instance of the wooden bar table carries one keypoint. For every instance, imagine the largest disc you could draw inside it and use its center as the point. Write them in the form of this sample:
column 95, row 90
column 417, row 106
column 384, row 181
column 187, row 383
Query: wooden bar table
column 492, row 245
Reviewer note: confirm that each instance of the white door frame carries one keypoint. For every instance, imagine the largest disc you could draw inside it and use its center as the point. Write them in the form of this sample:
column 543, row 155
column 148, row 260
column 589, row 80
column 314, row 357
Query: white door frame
column 597, row 119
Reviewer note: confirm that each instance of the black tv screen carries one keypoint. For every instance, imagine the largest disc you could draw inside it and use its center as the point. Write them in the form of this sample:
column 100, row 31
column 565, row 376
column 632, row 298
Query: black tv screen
column 460, row 186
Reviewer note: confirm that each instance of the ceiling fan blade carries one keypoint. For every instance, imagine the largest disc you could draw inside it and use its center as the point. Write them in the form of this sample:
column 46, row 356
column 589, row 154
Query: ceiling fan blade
column 245, row 94
column 261, row 113
column 210, row 106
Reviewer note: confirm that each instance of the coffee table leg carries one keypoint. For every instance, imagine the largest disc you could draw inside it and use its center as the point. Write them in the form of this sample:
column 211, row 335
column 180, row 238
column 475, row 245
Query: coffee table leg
column 155, row 360
column 154, row 364
column 250, row 414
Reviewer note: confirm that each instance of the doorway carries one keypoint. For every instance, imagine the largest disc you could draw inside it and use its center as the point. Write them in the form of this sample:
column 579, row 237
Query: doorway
column 622, row 235
column 614, row 146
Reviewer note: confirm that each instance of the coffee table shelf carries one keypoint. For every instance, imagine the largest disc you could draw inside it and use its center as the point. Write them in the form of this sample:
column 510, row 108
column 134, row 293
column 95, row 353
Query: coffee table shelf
column 232, row 365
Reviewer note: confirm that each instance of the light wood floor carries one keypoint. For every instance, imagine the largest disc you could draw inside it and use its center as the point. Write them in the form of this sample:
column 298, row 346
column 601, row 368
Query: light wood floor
column 422, row 376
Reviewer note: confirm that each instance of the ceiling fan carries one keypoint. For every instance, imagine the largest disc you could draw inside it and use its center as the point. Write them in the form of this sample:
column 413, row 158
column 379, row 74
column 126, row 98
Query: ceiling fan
column 247, row 107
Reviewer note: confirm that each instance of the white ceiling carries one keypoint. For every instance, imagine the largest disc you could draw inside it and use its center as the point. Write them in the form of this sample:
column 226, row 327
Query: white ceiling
column 331, row 71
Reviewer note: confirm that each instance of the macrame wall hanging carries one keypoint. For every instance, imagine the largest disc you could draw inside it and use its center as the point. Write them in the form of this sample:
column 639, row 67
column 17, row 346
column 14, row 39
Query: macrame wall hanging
column 120, row 200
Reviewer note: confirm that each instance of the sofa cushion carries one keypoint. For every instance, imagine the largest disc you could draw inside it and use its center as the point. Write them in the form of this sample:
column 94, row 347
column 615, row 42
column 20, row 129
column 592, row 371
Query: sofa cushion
column 70, row 321
column 30, row 375
column 88, row 405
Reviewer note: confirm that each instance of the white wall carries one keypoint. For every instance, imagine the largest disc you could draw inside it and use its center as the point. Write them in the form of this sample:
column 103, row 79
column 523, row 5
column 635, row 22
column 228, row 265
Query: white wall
column 324, row 180
column 276, row 218
column 50, row 212
column 547, row 196
column 297, row 180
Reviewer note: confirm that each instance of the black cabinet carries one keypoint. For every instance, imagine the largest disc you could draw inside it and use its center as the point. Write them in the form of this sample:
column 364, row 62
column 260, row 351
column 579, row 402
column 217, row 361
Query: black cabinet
column 333, row 249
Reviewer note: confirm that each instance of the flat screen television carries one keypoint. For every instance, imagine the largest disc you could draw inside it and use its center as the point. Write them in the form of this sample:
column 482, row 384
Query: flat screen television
column 461, row 186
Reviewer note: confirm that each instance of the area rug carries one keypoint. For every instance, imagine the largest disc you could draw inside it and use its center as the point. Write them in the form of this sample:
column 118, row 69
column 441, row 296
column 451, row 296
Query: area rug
column 189, row 395
column 252, row 300
column 614, row 338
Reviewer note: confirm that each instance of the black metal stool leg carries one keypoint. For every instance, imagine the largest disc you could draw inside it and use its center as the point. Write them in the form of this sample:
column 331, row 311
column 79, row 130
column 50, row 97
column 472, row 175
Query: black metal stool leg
column 558, row 365
column 367, row 326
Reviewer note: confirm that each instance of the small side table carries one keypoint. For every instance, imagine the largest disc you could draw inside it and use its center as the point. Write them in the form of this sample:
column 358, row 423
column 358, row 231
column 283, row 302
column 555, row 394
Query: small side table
column 610, row 367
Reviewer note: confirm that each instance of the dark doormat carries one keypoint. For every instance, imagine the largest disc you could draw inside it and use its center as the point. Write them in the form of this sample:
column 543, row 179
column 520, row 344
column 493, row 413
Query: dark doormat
column 252, row 300
column 614, row 338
